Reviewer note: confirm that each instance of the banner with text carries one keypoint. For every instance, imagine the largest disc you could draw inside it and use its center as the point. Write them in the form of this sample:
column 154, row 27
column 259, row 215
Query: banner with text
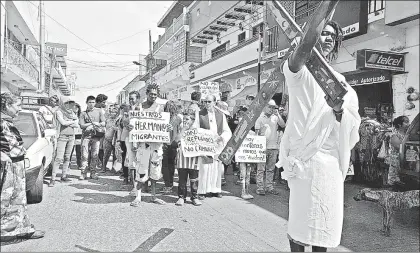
column 210, row 88
column 252, row 150
column 149, row 127
column 200, row 142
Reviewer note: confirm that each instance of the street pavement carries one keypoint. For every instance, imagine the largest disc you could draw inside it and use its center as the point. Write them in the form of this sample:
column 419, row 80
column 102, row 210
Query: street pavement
column 96, row 216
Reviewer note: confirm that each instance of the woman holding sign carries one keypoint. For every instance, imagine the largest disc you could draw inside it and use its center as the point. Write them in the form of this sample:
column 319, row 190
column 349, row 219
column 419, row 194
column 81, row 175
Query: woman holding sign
column 316, row 145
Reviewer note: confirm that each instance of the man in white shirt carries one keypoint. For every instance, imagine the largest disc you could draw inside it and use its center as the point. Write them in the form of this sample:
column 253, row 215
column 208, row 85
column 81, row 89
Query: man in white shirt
column 266, row 125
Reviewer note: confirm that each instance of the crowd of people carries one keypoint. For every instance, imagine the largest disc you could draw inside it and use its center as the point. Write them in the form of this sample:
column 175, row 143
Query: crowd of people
column 314, row 148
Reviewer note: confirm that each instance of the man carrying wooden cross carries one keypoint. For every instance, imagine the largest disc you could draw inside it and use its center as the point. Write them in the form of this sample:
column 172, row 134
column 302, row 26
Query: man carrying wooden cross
column 316, row 145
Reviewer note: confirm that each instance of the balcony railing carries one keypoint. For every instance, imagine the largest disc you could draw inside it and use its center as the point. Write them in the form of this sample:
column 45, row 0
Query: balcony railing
column 14, row 57
column 375, row 5
column 169, row 33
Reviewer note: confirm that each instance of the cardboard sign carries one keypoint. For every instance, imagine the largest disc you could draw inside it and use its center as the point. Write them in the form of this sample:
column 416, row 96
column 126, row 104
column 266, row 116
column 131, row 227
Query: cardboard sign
column 252, row 150
column 149, row 127
column 200, row 142
column 316, row 65
column 210, row 88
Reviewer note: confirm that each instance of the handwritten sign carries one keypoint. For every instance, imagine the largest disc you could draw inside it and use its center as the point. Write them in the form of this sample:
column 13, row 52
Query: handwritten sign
column 149, row 127
column 200, row 142
column 210, row 88
column 252, row 150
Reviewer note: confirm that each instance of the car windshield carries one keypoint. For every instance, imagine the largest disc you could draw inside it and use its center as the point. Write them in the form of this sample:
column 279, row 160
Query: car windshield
column 25, row 123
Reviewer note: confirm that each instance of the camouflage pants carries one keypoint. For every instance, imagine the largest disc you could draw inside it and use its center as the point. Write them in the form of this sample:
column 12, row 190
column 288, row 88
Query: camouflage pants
column 14, row 217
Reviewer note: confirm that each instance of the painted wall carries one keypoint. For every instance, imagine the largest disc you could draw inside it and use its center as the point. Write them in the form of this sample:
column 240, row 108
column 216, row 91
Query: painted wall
column 29, row 14
column 397, row 10
column 209, row 11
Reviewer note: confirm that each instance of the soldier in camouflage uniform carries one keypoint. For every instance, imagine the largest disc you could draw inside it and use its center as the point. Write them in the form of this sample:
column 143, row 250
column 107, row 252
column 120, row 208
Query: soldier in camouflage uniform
column 15, row 223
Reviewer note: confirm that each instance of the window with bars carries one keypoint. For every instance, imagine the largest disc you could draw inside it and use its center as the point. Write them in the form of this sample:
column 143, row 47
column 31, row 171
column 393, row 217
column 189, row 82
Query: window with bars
column 376, row 5
column 241, row 38
column 305, row 8
column 219, row 50
column 257, row 28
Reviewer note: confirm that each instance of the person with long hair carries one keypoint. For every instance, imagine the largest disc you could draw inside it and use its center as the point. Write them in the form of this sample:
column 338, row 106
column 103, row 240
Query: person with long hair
column 316, row 145
column 14, row 220
column 77, row 138
column 401, row 125
column 66, row 122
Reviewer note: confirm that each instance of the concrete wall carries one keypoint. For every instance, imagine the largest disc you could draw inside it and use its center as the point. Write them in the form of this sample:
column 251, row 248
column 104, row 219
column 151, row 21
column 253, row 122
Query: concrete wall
column 208, row 13
column 398, row 10
column 29, row 14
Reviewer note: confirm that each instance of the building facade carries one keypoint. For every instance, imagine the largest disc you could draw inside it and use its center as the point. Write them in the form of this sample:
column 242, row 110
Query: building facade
column 20, row 58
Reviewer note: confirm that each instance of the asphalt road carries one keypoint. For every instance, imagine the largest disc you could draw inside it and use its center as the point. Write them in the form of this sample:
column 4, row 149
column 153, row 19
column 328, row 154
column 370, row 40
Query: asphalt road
column 96, row 216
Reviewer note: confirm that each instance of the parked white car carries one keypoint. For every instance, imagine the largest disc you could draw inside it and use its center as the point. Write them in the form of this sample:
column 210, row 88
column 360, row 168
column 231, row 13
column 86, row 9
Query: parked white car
column 38, row 140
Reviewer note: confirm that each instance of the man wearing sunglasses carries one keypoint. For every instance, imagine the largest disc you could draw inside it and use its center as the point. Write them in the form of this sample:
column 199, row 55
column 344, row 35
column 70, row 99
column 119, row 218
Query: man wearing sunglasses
column 316, row 145
column 210, row 168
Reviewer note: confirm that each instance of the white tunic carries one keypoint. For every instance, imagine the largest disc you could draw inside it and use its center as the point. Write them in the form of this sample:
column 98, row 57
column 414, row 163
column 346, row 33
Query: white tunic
column 210, row 175
column 310, row 154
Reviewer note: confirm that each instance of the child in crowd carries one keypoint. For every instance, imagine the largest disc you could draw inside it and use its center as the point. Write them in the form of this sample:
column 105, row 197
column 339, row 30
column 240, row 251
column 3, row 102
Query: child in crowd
column 187, row 166
column 245, row 168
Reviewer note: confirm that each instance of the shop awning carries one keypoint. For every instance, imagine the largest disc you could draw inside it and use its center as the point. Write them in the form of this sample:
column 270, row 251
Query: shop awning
column 365, row 77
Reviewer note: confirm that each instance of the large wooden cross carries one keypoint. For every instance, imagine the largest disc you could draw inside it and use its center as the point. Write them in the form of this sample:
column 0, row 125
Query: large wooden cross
column 316, row 65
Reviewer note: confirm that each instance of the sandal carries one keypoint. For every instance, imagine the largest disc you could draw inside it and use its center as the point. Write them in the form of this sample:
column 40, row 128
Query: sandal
column 135, row 203
column 159, row 201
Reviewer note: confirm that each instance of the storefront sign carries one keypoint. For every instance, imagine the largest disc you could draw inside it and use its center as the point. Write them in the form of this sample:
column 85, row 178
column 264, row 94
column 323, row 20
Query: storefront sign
column 368, row 77
column 56, row 48
column 373, row 59
column 209, row 88
column 351, row 15
column 252, row 150
column 149, row 126
column 199, row 142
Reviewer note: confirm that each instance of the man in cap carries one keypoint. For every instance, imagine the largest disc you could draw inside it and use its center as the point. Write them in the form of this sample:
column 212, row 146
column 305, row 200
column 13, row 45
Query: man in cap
column 266, row 125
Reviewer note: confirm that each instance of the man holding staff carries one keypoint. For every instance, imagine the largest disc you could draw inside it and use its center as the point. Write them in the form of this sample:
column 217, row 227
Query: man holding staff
column 315, row 150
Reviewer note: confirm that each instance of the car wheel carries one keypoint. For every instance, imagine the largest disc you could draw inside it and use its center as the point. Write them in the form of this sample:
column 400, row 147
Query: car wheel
column 34, row 196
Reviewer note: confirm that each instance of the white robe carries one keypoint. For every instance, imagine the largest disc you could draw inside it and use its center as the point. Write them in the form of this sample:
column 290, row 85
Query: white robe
column 315, row 155
column 210, row 175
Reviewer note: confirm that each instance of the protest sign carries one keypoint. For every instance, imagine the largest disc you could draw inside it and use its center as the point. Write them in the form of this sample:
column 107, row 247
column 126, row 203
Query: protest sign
column 252, row 150
column 149, row 126
column 210, row 88
column 200, row 142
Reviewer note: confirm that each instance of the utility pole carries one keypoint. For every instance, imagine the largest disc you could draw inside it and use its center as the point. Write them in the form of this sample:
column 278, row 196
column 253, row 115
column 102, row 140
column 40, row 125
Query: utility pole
column 52, row 62
column 41, row 85
column 260, row 31
column 151, row 62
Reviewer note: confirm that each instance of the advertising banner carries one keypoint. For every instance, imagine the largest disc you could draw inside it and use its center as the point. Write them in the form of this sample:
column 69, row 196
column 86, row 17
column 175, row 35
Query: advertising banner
column 252, row 150
column 373, row 59
column 200, row 142
column 56, row 48
column 149, row 126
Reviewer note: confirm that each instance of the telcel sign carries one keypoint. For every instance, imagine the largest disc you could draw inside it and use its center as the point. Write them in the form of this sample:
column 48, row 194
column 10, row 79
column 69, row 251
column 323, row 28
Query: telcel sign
column 56, row 48
column 373, row 59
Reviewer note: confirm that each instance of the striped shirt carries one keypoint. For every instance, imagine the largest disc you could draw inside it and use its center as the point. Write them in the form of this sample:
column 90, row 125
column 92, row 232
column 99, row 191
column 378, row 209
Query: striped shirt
column 183, row 162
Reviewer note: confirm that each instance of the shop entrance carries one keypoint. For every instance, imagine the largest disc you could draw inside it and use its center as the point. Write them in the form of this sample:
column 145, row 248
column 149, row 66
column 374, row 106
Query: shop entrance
column 375, row 101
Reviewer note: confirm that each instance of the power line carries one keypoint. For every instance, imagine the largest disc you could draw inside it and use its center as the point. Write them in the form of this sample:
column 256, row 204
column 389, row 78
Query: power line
column 108, row 84
column 124, row 38
column 83, row 50
column 71, row 31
